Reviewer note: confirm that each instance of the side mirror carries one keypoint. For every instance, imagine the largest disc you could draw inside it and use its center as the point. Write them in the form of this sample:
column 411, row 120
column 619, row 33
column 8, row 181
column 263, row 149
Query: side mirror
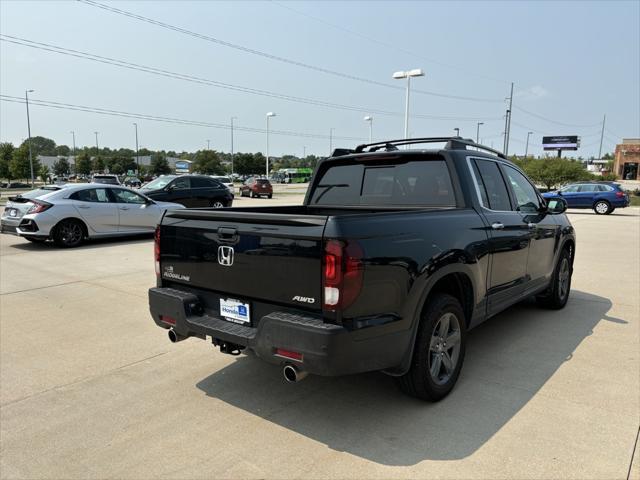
column 556, row 206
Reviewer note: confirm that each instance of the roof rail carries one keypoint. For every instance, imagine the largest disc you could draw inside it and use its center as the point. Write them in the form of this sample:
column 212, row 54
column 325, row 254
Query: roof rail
column 453, row 143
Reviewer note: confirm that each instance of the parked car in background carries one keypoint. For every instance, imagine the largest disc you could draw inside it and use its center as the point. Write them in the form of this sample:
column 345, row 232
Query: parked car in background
column 16, row 185
column 256, row 187
column 189, row 190
column 133, row 182
column 106, row 179
column 226, row 181
column 75, row 212
column 602, row 197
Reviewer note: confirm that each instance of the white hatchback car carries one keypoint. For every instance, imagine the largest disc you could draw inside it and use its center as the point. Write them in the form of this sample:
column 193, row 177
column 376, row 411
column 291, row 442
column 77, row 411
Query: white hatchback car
column 77, row 212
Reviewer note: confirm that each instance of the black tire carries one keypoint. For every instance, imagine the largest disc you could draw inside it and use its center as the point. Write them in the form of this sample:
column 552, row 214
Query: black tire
column 602, row 207
column 270, row 195
column 253, row 195
column 420, row 381
column 557, row 294
column 69, row 233
column 611, row 211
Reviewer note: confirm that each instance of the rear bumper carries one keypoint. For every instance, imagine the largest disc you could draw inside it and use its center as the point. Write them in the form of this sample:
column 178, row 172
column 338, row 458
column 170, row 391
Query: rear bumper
column 326, row 349
column 9, row 226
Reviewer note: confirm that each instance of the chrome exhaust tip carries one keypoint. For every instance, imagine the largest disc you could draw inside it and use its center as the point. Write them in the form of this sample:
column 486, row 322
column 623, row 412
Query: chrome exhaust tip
column 175, row 337
column 292, row 374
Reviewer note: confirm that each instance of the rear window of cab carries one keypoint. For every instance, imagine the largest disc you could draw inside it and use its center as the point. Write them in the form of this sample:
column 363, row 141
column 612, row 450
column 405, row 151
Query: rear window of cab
column 420, row 182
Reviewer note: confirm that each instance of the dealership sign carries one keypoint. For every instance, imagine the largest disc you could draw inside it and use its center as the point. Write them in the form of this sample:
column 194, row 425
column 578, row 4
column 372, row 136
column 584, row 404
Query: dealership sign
column 183, row 166
column 568, row 142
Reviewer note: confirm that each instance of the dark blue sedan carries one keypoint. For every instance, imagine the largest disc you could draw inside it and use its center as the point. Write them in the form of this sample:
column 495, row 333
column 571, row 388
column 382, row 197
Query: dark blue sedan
column 602, row 197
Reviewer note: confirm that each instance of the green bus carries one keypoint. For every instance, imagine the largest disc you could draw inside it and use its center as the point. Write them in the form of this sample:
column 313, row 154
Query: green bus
column 293, row 175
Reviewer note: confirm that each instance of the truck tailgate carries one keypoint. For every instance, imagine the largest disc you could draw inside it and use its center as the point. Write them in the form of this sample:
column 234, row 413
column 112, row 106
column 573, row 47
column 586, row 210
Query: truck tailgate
column 245, row 255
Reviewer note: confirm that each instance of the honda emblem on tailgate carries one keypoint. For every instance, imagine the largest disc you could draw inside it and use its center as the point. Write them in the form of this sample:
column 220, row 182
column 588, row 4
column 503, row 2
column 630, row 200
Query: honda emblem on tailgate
column 225, row 255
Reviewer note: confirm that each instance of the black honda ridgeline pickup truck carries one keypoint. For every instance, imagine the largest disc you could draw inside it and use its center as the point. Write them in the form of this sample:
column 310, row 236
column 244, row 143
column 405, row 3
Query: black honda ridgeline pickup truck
column 394, row 255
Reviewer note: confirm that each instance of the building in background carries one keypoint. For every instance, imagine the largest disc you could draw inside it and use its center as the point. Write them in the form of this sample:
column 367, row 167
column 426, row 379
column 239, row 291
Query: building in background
column 627, row 159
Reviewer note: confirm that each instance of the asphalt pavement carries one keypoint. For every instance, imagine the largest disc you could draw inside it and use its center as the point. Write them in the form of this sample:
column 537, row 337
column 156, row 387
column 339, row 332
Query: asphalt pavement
column 91, row 388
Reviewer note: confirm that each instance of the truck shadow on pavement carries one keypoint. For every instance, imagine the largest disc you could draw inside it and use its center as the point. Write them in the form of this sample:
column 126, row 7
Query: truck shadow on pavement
column 94, row 243
column 509, row 358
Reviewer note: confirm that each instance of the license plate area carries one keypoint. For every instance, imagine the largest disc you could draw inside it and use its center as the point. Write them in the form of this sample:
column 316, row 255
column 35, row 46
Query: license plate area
column 235, row 311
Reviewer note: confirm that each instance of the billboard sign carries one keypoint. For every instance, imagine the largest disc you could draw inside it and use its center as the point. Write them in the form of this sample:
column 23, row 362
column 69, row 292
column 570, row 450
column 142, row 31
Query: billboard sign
column 567, row 142
column 183, row 166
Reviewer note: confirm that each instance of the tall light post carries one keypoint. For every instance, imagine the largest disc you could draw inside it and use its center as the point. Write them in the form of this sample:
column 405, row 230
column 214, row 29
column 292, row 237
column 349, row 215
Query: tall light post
column 369, row 119
column 208, row 145
column 416, row 72
column 26, row 98
column 137, row 155
column 304, row 152
column 232, row 119
column 75, row 160
column 478, row 131
column 269, row 115
column 97, row 148
column 331, row 140
column 457, row 130
column 526, row 149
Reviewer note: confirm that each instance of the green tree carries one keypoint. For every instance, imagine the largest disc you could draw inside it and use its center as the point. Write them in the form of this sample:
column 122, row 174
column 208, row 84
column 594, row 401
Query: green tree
column 208, row 163
column 98, row 165
column 159, row 165
column 43, row 173
column 61, row 167
column 6, row 154
column 19, row 166
column 552, row 172
column 62, row 150
column 41, row 146
column 83, row 164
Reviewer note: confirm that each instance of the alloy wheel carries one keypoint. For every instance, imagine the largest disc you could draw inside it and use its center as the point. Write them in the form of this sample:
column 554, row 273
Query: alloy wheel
column 444, row 348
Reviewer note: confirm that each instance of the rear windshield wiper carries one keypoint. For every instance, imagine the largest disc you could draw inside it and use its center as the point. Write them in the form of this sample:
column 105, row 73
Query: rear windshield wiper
column 328, row 187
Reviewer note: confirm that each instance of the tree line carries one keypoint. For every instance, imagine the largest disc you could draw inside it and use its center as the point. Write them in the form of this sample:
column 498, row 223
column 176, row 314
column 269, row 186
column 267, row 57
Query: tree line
column 14, row 161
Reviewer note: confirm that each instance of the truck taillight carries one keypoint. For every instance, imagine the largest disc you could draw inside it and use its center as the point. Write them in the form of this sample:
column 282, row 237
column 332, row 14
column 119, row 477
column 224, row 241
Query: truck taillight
column 156, row 250
column 342, row 274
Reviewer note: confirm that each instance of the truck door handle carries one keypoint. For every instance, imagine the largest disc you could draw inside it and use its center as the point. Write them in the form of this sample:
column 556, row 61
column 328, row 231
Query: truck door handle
column 124, row 208
column 84, row 206
column 497, row 226
column 228, row 234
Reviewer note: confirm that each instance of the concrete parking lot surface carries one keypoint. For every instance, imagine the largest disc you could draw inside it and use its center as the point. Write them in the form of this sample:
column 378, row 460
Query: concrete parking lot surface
column 91, row 388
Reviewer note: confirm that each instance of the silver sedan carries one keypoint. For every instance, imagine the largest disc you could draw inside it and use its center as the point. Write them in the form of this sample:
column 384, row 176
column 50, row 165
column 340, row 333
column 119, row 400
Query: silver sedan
column 72, row 213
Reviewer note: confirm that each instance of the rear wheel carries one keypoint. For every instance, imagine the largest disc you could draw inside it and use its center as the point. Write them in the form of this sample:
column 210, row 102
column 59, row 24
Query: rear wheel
column 602, row 207
column 216, row 204
column 69, row 233
column 557, row 294
column 439, row 350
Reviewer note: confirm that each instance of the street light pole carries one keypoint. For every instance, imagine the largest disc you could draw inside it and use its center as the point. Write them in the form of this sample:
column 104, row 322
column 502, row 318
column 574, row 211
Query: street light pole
column 526, row 148
column 137, row 155
column 26, row 98
column 416, row 72
column 232, row 119
column 478, row 131
column 208, row 145
column 97, row 148
column 369, row 119
column 457, row 130
column 269, row 115
column 304, row 152
column 331, row 140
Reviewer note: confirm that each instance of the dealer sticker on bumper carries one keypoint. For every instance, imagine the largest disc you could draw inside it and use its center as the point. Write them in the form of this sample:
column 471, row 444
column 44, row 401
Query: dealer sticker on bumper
column 234, row 310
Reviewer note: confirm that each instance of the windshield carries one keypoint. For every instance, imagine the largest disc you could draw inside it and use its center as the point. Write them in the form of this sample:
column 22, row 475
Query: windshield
column 223, row 179
column 158, row 183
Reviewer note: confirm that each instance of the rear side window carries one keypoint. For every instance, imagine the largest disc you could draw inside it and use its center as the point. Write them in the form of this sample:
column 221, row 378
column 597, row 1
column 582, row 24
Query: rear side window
column 197, row 182
column 588, row 188
column 423, row 182
column 96, row 195
column 605, row 188
column 493, row 190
